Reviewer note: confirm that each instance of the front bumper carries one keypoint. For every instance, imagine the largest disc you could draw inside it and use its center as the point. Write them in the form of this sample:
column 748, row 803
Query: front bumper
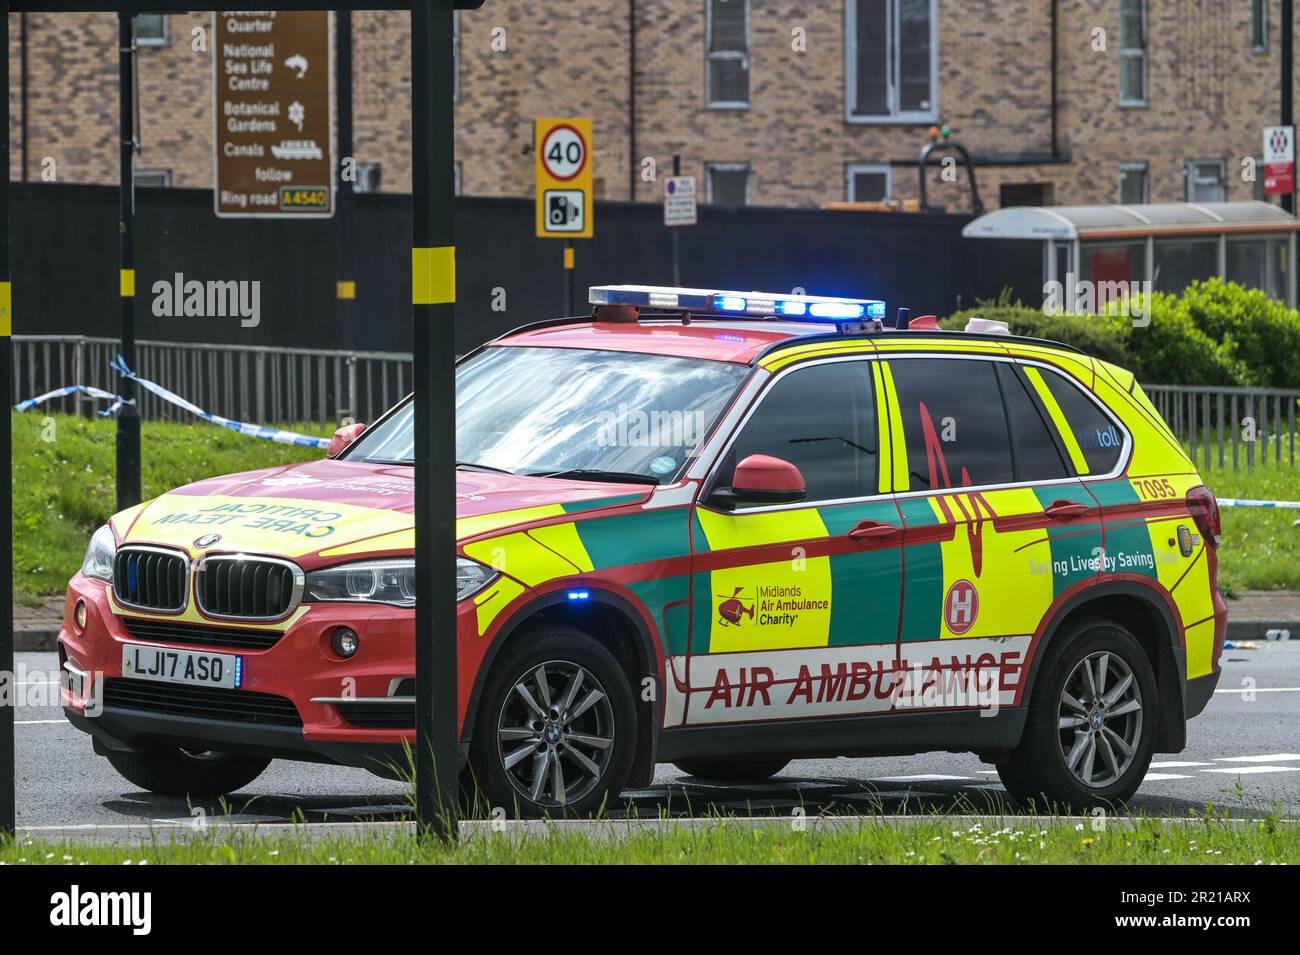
column 299, row 667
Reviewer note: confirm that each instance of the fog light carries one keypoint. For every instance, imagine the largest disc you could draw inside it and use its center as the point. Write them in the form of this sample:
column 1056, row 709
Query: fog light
column 345, row 642
column 79, row 614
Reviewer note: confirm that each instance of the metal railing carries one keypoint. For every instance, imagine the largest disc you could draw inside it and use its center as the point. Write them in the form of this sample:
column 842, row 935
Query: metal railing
column 1223, row 426
column 247, row 383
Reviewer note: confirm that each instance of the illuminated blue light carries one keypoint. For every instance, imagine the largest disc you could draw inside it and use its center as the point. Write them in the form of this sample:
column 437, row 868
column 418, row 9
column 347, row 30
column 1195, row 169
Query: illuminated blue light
column 579, row 594
column 835, row 310
column 876, row 310
column 239, row 672
column 730, row 303
column 793, row 309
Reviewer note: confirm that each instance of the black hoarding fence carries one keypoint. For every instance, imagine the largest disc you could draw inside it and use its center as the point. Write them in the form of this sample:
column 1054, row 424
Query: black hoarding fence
column 505, row 276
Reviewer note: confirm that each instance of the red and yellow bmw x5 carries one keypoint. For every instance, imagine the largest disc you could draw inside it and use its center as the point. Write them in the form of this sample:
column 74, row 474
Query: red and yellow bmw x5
column 717, row 529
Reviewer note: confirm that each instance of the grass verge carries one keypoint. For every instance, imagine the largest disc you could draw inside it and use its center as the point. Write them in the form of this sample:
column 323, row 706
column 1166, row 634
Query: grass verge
column 1209, row 839
column 1261, row 546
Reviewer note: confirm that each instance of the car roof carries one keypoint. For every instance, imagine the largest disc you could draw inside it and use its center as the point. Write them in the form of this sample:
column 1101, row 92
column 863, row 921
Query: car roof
column 740, row 342
column 745, row 342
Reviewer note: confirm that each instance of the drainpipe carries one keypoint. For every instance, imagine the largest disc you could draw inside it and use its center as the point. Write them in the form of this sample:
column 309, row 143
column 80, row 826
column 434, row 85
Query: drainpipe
column 632, row 164
column 1056, row 152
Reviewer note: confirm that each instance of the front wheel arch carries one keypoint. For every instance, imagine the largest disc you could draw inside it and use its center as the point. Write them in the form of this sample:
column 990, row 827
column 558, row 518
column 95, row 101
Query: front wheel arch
column 615, row 622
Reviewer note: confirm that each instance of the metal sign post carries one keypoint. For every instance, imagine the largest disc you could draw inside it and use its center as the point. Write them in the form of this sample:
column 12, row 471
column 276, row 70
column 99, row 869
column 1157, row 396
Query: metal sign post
column 433, row 294
column 128, row 416
column 8, row 685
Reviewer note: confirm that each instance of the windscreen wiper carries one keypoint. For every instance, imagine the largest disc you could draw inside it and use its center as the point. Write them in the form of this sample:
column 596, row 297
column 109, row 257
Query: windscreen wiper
column 472, row 466
column 596, row 474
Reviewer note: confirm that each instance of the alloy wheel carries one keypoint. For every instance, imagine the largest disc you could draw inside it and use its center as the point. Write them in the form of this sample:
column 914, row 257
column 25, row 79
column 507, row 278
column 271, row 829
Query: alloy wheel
column 1099, row 719
column 555, row 733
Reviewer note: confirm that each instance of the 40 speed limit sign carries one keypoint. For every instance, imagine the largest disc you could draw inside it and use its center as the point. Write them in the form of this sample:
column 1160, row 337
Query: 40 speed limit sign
column 564, row 208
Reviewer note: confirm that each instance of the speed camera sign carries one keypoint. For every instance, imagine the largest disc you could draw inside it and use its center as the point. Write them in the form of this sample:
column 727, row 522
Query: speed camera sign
column 564, row 178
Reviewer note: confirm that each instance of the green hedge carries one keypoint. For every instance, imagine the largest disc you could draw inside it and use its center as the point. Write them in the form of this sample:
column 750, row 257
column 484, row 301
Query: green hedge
column 1215, row 333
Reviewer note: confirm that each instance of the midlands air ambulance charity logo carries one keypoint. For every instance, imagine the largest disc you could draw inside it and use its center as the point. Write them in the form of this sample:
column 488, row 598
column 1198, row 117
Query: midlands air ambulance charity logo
column 733, row 608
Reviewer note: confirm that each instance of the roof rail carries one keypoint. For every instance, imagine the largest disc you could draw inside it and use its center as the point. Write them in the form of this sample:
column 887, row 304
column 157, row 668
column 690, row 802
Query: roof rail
column 889, row 333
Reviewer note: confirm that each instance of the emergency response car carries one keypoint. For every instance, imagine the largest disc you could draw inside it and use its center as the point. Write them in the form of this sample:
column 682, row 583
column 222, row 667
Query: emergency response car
column 718, row 529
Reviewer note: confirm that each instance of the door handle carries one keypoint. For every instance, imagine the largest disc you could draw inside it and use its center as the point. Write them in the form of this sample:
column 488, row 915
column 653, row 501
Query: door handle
column 873, row 532
column 1066, row 510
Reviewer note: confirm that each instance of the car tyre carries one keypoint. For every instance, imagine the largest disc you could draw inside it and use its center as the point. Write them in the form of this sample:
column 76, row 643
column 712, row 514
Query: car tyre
column 177, row 772
column 1092, row 722
column 732, row 770
column 556, row 716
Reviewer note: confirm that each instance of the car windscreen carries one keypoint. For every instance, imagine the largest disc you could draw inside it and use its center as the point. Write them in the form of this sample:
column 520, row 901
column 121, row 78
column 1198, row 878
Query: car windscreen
column 582, row 413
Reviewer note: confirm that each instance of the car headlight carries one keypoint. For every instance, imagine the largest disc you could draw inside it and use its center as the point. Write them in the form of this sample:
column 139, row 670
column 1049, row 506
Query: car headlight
column 98, row 562
column 387, row 581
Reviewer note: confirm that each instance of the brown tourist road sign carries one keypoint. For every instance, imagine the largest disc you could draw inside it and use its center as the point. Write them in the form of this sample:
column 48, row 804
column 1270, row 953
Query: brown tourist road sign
column 273, row 74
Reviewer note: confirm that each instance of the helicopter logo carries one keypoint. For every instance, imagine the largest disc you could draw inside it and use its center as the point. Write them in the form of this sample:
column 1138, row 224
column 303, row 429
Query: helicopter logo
column 733, row 608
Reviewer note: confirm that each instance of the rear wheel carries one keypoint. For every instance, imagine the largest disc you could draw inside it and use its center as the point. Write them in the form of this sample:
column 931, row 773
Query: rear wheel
column 732, row 770
column 1092, row 722
column 179, row 772
column 556, row 727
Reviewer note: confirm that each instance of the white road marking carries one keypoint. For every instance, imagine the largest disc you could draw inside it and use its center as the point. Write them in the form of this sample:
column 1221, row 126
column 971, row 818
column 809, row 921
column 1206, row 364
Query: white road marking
column 37, row 722
column 1270, row 758
column 1176, row 764
column 1249, row 770
column 1261, row 689
column 918, row 778
column 1159, row 776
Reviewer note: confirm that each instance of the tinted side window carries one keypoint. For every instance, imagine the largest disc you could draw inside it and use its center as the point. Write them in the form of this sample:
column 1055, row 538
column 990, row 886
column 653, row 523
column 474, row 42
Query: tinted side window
column 1098, row 439
column 1037, row 456
column 821, row 419
column 953, row 422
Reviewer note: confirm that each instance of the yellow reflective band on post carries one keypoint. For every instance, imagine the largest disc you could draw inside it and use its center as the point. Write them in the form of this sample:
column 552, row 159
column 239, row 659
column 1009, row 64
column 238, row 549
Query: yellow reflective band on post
column 882, row 431
column 126, row 283
column 1058, row 418
column 347, row 289
column 6, row 309
column 898, row 451
column 568, row 258
column 433, row 275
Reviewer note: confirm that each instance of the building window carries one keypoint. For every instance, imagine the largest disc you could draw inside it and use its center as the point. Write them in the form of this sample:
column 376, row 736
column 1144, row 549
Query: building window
column 1133, row 183
column 1205, row 181
column 729, row 183
column 152, row 178
column 869, row 183
column 1259, row 25
column 1132, row 52
column 728, row 57
column 1026, row 194
column 151, row 29
column 369, row 177
column 891, row 60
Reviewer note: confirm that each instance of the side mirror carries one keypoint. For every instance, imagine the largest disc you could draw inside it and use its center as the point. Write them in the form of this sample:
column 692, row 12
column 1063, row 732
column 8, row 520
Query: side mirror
column 342, row 438
column 763, row 479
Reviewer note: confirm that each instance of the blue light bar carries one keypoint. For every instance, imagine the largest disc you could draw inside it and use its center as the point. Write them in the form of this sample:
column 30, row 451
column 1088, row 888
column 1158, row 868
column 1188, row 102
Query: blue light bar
column 738, row 304
column 579, row 594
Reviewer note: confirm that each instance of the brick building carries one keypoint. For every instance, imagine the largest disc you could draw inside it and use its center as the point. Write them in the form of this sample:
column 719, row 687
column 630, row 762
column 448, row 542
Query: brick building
column 772, row 102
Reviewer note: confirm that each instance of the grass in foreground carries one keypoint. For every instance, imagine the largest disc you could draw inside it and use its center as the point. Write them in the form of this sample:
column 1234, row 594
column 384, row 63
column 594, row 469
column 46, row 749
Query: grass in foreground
column 64, row 488
column 936, row 841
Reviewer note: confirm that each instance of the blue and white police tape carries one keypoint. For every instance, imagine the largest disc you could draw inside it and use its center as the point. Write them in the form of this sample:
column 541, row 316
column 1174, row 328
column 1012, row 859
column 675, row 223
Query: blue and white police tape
column 252, row 430
column 117, row 400
column 1241, row 502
